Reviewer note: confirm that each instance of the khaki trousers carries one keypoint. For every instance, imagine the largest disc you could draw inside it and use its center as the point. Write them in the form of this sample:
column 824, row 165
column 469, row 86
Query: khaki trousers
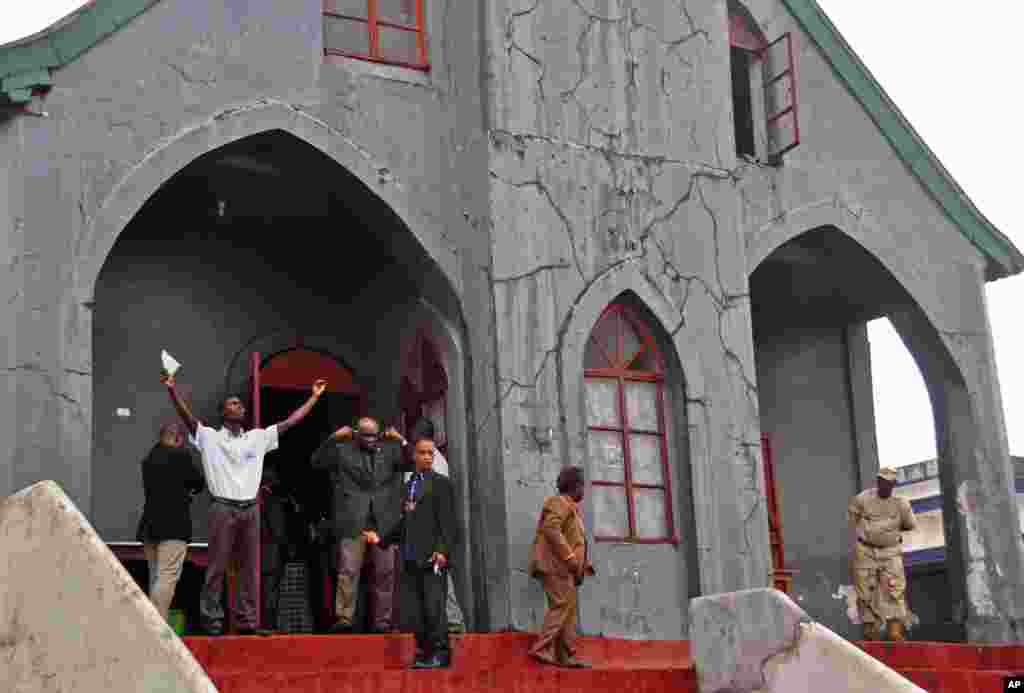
column 557, row 638
column 351, row 554
column 165, row 560
column 881, row 584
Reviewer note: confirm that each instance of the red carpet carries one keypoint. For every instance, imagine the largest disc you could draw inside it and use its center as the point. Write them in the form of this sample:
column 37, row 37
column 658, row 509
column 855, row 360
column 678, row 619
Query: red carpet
column 498, row 662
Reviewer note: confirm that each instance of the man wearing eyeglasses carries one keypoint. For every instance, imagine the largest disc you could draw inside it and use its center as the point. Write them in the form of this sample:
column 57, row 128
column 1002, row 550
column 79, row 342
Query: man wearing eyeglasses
column 366, row 471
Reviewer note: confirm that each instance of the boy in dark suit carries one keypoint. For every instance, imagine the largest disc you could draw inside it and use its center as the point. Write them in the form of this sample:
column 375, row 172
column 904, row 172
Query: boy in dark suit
column 427, row 537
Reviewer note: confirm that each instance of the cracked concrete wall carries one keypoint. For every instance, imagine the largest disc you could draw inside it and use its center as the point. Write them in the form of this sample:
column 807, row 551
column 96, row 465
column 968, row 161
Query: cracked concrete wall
column 183, row 79
column 604, row 128
column 608, row 125
column 844, row 174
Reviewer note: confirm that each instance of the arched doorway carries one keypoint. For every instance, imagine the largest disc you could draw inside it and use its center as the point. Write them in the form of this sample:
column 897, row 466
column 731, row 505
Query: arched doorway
column 811, row 298
column 235, row 253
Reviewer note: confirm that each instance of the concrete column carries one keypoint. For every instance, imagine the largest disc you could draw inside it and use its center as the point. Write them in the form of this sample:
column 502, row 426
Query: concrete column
column 862, row 402
column 11, row 296
column 985, row 562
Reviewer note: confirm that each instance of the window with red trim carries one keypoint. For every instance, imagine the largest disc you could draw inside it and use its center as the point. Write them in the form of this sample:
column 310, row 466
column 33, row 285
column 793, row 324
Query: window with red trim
column 385, row 31
column 764, row 104
column 625, row 408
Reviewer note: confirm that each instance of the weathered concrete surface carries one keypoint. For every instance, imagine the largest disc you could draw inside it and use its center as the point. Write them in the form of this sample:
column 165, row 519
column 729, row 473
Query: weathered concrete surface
column 563, row 155
column 823, row 661
column 178, row 82
column 611, row 176
column 760, row 640
column 845, row 176
column 71, row 618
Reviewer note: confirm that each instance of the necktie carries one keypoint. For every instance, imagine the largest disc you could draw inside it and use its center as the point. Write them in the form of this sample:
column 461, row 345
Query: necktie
column 414, row 483
column 410, row 503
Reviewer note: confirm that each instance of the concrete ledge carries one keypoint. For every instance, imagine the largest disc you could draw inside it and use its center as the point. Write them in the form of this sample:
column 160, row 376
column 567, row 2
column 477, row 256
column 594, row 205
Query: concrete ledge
column 761, row 641
column 71, row 617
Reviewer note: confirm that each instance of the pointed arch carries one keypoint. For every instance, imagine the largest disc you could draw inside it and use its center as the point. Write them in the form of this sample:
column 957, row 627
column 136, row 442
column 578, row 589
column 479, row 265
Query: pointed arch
column 162, row 161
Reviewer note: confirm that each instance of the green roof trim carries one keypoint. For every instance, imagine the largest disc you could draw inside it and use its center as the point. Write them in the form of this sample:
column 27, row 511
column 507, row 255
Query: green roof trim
column 1004, row 259
column 24, row 62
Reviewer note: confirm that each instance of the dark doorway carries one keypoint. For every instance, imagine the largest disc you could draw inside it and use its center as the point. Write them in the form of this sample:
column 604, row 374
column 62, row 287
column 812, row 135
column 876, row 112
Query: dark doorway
column 311, row 542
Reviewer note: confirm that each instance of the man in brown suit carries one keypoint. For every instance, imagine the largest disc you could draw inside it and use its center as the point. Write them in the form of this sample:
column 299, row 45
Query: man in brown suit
column 559, row 559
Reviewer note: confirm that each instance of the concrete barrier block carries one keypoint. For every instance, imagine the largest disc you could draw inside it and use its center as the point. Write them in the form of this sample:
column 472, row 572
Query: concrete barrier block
column 760, row 641
column 823, row 661
column 71, row 617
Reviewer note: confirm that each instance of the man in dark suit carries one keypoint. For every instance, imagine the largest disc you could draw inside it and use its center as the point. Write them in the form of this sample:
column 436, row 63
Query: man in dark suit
column 367, row 478
column 427, row 537
column 169, row 480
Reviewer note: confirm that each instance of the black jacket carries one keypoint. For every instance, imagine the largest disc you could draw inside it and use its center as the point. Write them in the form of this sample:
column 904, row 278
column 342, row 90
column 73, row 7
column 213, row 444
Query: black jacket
column 363, row 497
column 168, row 475
column 430, row 527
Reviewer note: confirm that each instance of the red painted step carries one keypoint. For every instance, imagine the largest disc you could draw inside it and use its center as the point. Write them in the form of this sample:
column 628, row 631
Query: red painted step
column 950, row 667
column 957, row 680
column 481, row 662
column 499, row 662
column 938, row 655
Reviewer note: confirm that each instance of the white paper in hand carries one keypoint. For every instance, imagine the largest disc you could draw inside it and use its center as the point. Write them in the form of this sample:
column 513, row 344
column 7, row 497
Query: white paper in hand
column 170, row 365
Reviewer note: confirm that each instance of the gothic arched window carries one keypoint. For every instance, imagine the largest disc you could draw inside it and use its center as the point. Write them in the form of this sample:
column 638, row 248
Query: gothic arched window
column 626, row 423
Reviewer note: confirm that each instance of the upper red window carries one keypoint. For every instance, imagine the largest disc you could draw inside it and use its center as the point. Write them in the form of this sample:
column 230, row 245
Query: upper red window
column 626, row 419
column 385, row 31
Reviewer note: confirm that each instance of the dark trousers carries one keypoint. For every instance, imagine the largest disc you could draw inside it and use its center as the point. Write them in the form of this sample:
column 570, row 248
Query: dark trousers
column 423, row 595
column 270, row 593
column 234, row 533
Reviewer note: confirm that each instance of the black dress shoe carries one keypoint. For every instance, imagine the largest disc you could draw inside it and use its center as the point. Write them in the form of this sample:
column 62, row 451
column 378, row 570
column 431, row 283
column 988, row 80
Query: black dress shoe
column 212, row 632
column 421, row 662
column 342, row 629
column 441, row 660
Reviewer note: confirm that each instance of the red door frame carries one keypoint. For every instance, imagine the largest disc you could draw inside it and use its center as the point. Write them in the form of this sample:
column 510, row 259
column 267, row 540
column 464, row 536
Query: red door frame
column 256, row 366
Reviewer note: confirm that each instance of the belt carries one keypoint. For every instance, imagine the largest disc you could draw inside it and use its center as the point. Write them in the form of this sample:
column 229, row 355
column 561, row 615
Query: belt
column 237, row 504
column 877, row 546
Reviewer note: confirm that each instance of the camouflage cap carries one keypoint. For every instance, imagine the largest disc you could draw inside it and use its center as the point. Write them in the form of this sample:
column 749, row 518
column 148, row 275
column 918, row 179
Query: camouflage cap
column 887, row 473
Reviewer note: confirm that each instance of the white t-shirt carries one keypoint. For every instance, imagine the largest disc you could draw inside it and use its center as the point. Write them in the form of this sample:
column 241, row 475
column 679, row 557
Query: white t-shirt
column 233, row 465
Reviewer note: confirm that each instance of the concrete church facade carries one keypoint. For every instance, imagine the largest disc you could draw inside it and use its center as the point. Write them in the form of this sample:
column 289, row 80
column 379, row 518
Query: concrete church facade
column 572, row 232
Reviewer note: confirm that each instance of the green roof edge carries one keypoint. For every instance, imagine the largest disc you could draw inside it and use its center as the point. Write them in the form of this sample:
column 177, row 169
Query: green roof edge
column 62, row 43
column 26, row 64
column 1004, row 259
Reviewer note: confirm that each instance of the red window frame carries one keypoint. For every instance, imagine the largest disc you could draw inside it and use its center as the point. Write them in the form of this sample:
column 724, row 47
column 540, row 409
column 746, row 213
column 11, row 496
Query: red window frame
column 620, row 372
column 373, row 22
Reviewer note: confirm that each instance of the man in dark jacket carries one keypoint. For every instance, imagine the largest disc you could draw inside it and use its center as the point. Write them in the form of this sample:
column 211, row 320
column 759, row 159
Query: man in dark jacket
column 169, row 479
column 277, row 508
column 427, row 536
column 367, row 478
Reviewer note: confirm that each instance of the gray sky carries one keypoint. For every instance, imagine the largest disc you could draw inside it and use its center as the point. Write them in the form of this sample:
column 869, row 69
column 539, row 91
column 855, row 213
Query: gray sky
column 955, row 76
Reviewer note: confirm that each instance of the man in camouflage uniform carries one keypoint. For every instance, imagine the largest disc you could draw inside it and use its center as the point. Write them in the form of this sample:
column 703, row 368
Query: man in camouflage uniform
column 877, row 519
